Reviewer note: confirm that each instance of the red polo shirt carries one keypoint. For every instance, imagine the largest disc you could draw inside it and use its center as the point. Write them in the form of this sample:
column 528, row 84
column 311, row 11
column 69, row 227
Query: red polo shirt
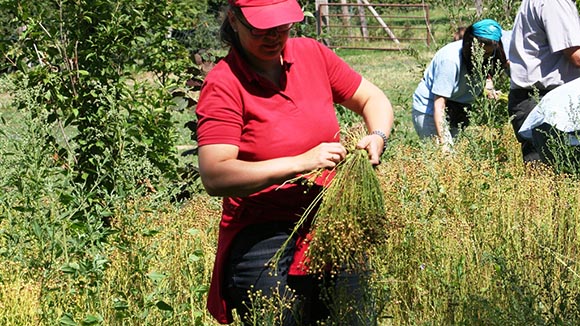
column 239, row 107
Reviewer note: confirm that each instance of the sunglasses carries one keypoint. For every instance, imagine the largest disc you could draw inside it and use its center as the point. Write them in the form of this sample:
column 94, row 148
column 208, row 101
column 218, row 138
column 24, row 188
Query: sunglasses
column 256, row 32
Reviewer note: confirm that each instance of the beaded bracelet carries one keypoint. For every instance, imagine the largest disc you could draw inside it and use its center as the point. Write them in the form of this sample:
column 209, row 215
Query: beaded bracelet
column 383, row 136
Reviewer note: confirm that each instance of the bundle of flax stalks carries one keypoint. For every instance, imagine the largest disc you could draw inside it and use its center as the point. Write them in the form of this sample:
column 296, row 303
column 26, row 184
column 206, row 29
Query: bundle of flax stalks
column 351, row 220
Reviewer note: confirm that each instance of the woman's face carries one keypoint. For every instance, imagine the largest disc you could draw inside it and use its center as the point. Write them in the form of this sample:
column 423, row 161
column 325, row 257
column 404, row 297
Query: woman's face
column 260, row 44
column 489, row 49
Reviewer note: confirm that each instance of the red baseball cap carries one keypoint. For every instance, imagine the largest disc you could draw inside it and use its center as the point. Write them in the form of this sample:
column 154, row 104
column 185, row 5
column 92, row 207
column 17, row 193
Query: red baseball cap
column 264, row 14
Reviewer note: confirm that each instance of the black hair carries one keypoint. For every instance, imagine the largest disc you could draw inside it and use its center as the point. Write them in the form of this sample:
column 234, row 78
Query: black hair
column 490, row 64
column 227, row 33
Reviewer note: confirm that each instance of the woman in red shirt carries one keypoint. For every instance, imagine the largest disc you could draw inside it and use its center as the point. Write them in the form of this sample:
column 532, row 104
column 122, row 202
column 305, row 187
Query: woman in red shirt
column 266, row 115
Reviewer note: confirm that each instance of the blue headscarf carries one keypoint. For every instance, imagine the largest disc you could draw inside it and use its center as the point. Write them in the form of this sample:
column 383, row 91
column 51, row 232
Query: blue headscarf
column 487, row 28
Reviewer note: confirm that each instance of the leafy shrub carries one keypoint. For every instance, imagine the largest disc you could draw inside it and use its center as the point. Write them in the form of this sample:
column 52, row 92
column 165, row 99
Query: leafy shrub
column 88, row 55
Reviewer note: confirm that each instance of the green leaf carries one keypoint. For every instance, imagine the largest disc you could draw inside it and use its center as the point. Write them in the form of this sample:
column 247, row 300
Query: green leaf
column 201, row 289
column 106, row 213
column 181, row 103
column 162, row 305
column 193, row 258
column 150, row 232
column 156, row 276
column 92, row 320
column 70, row 268
column 23, row 209
column 67, row 320
column 193, row 232
column 65, row 199
column 61, row 98
column 120, row 304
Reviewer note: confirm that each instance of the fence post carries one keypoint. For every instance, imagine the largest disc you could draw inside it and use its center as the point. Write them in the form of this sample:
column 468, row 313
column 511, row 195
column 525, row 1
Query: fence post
column 426, row 8
column 349, row 20
column 363, row 20
column 381, row 22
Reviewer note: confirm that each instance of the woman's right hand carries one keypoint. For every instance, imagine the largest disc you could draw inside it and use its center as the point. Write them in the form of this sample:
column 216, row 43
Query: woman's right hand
column 324, row 155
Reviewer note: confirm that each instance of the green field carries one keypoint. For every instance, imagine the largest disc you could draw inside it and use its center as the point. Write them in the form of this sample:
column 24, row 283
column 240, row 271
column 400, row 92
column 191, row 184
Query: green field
column 475, row 236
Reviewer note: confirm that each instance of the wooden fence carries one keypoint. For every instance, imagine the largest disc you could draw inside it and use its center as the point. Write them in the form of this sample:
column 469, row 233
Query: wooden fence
column 364, row 25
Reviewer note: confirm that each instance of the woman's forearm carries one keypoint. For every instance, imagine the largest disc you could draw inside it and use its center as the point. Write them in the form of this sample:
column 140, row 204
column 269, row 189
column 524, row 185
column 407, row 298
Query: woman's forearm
column 439, row 116
column 223, row 174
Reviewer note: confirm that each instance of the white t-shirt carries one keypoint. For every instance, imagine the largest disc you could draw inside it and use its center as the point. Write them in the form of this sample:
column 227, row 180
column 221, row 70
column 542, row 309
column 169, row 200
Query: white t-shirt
column 506, row 38
column 559, row 108
column 542, row 29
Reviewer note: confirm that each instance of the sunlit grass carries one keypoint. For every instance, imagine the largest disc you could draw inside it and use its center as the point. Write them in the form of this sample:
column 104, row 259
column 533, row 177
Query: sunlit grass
column 397, row 74
column 167, row 267
column 159, row 267
column 19, row 296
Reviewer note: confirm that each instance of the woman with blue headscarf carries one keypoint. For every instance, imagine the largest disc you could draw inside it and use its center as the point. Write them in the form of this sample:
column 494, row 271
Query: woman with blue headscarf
column 444, row 95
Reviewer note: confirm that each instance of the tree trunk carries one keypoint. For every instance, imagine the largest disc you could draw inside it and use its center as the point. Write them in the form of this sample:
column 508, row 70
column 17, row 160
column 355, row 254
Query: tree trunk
column 322, row 12
column 346, row 16
column 479, row 7
column 363, row 20
column 322, row 15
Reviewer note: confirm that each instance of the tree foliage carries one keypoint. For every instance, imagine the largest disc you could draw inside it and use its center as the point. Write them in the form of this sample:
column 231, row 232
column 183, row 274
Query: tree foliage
column 105, row 69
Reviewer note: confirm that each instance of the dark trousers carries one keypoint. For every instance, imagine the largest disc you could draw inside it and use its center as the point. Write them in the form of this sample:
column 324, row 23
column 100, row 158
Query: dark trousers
column 248, row 275
column 457, row 114
column 520, row 103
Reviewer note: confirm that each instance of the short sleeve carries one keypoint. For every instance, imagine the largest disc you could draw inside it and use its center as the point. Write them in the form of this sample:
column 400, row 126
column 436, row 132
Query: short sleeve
column 444, row 77
column 219, row 115
column 562, row 24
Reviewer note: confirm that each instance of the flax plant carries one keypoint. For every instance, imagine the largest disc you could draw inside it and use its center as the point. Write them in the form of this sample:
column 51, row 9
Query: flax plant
column 476, row 241
column 350, row 220
column 270, row 309
column 489, row 108
column 562, row 149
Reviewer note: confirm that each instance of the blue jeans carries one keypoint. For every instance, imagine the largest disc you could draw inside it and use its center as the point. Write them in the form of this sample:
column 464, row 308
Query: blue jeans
column 455, row 113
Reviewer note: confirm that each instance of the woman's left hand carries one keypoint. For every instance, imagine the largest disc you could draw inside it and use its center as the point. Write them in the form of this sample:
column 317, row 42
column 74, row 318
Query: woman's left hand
column 373, row 144
column 373, row 105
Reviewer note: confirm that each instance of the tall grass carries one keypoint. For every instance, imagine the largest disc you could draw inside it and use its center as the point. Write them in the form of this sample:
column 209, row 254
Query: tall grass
column 479, row 245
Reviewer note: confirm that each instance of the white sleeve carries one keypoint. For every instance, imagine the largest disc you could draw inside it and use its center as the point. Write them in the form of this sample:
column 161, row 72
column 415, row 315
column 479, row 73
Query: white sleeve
column 562, row 24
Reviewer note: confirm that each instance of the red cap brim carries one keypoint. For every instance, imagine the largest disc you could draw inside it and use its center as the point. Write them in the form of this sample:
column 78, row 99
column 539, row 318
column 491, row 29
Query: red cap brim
column 264, row 17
